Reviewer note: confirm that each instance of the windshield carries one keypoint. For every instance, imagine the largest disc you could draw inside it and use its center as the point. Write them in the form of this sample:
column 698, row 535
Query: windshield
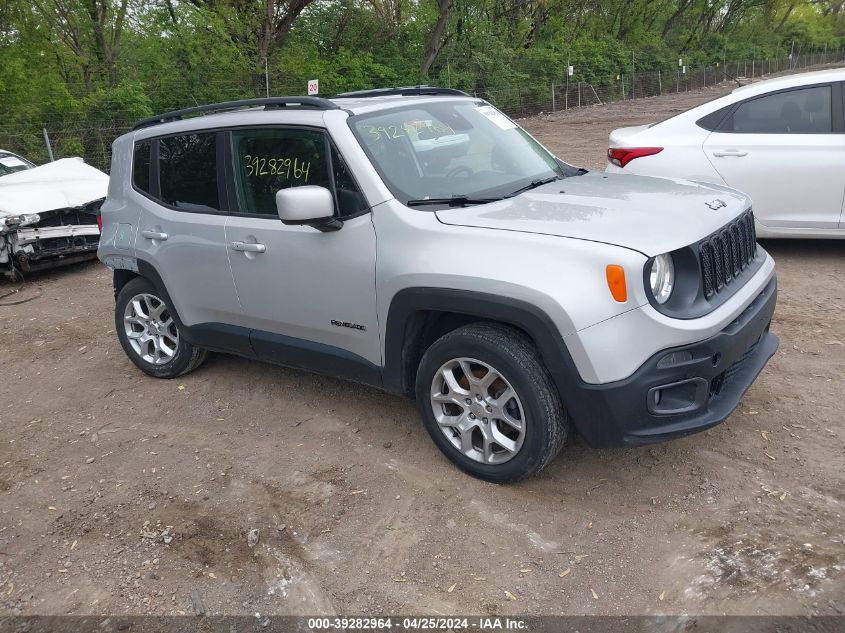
column 9, row 164
column 452, row 149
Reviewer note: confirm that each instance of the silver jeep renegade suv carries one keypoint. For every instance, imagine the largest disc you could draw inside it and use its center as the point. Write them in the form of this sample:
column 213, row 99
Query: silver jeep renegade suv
column 420, row 241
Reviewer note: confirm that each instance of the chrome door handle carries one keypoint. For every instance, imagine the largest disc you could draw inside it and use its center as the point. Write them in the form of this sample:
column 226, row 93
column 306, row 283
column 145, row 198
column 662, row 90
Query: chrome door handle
column 246, row 247
column 154, row 235
column 730, row 152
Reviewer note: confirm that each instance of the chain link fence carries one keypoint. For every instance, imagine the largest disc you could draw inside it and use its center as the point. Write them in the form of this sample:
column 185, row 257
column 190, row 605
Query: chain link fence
column 519, row 102
column 93, row 142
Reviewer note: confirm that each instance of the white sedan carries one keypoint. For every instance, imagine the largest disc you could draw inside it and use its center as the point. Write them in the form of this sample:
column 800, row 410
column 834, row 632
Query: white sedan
column 781, row 141
column 10, row 163
column 49, row 215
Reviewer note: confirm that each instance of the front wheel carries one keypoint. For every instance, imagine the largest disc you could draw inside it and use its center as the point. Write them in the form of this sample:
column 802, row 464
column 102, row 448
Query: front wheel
column 489, row 403
column 149, row 334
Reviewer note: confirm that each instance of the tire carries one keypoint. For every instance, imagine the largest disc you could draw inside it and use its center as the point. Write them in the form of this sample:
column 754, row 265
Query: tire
column 532, row 424
column 158, row 350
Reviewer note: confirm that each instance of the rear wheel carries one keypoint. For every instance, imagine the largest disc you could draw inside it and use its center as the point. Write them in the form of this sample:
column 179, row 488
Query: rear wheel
column 489, row 403
column 149, row 334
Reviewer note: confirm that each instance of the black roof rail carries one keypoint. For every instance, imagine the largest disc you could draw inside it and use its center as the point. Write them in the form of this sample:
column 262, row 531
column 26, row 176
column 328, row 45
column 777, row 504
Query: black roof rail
column 269, row 103
column 407, row 91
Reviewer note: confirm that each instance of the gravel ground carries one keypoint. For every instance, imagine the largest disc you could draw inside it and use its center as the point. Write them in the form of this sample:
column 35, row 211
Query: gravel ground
column 122, row 494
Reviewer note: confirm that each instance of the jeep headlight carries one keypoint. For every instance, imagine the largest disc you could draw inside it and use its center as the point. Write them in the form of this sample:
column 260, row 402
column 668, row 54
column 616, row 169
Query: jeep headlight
column 662, row 277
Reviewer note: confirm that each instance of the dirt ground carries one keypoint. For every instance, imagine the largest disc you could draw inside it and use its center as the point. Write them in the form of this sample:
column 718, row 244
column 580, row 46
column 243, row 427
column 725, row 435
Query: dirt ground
column 122, row 494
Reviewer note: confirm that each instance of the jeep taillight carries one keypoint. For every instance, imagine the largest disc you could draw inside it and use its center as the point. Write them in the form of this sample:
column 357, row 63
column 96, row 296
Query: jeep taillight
column 621, row 156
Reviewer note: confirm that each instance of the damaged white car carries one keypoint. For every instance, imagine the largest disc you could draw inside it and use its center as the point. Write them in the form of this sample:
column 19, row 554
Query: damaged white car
column 49, row 214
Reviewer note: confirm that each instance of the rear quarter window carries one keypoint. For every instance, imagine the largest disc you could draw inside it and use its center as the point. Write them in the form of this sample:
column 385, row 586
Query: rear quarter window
column 141, row 166
column 712, row 121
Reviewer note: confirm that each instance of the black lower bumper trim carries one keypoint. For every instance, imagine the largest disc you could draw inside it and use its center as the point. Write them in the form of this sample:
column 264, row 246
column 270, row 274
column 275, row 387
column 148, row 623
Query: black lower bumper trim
column 628, row 412
column 56, row 261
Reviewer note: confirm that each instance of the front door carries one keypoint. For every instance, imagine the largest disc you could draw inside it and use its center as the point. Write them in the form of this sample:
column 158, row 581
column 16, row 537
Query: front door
column 309, row 296
column 796, row 134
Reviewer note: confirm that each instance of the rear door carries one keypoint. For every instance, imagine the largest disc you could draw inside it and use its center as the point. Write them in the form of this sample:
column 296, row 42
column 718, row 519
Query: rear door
column 181, row 228
column 786, row 150
column 309, row 296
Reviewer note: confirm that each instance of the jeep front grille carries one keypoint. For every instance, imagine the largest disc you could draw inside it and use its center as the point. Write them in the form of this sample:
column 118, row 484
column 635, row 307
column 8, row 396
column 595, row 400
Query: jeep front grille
column 726, row 254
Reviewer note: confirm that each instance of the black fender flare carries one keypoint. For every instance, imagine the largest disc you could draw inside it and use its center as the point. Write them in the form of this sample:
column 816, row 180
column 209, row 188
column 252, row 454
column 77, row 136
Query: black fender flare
column 149, row 272
column 584, row 402
column 213, row 336
column 484, row 306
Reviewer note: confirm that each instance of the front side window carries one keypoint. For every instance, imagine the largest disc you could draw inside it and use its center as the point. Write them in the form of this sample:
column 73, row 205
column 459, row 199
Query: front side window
column 802, row 111
column 273, row 159
column 267, row 160
column 452, row 148
column 188, row 172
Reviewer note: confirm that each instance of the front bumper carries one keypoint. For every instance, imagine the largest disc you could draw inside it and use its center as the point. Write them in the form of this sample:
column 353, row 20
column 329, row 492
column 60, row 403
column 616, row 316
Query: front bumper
column 59, row 237
column 682, row 390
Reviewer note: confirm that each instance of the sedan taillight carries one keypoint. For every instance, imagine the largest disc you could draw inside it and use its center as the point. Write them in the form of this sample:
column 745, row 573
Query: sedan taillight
column 621, row 156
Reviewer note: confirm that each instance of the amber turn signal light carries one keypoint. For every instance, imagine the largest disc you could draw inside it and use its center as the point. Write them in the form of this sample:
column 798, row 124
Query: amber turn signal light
column 616, row 282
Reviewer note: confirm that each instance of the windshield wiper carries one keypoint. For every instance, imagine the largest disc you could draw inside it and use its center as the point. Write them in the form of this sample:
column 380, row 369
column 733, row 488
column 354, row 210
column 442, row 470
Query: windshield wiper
column 454, row 201
column 462, row 201
column 533, row 185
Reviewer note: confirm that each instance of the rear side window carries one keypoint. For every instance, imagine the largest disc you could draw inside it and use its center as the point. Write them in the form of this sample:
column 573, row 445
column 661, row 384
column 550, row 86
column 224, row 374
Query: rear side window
column 141, row 166
column 802, row 111
column 188, row 172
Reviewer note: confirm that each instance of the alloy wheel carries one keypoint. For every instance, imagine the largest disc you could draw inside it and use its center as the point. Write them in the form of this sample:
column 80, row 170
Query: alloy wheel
column 150, row 329
column 478, row 410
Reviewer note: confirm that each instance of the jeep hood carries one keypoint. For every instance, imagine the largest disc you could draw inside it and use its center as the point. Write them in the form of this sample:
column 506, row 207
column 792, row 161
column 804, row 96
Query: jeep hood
column 63, row 184
column 649, row 215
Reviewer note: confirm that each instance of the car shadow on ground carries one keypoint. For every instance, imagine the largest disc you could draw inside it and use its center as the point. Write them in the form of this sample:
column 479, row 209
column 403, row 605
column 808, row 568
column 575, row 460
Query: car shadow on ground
column 799, row 248
column 51, row 274
column 577, row 470
column 14, row 292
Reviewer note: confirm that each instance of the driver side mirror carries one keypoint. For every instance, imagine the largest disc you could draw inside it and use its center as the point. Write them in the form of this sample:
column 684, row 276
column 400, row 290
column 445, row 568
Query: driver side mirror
column 309, row 205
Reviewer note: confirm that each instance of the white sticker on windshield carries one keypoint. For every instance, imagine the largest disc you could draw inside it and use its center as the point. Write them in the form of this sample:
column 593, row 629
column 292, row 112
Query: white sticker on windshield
column 12, row 161
column 496, row 117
